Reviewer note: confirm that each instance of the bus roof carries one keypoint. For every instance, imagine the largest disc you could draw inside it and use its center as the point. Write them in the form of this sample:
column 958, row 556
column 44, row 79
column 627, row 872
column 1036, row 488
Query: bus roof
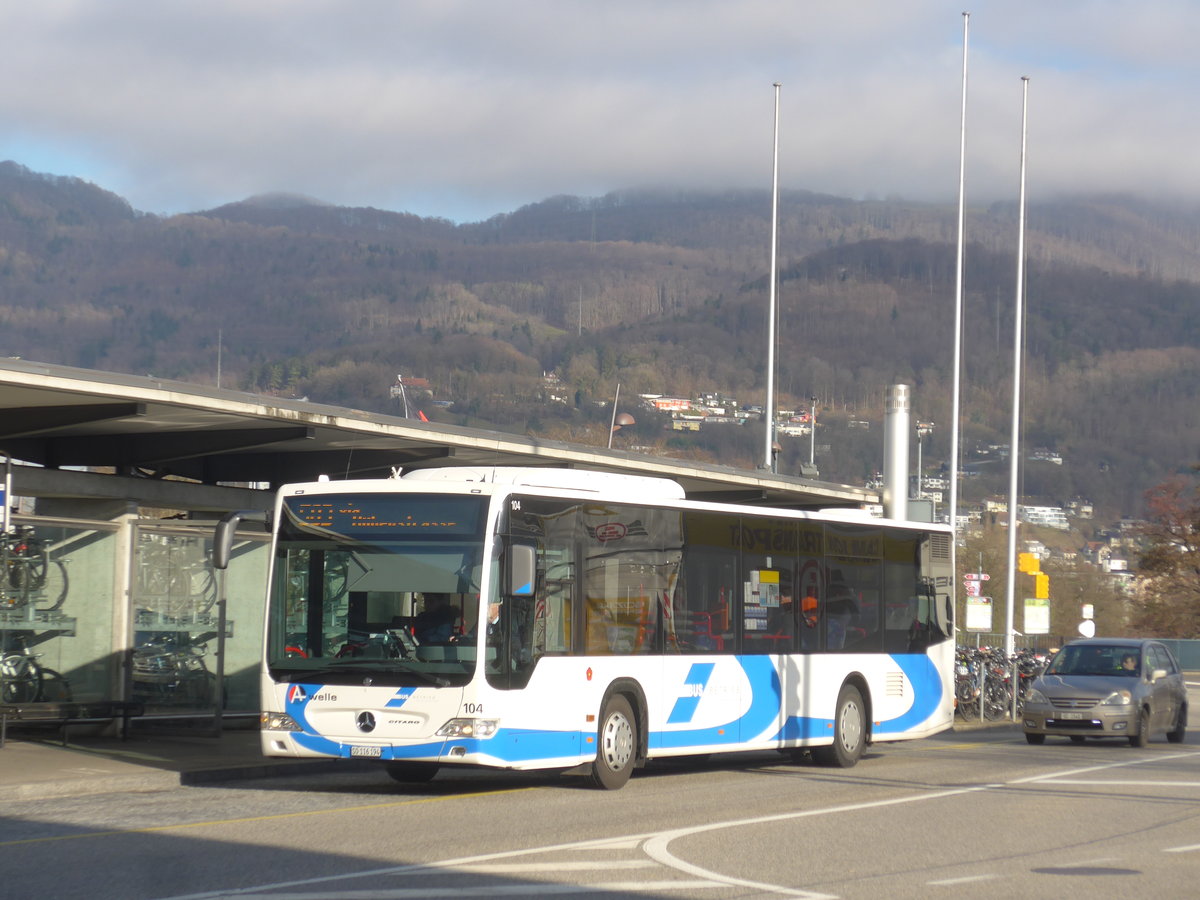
column 559, row 479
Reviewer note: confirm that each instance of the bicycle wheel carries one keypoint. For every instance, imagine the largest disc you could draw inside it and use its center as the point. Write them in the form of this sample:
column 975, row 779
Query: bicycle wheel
column 20, row 679
column 28, row 572
column 54, row 590
column 204, row 588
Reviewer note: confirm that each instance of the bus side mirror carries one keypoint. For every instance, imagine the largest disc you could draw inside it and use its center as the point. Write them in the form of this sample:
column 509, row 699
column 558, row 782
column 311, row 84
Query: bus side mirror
column 522, row 570
column 226, row 528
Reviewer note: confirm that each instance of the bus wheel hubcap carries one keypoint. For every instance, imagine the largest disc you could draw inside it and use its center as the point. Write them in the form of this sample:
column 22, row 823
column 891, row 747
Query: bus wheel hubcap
column 618, row 742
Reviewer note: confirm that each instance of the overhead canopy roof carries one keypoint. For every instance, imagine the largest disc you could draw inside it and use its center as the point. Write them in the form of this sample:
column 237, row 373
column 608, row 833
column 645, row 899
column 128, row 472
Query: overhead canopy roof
column 57, row 416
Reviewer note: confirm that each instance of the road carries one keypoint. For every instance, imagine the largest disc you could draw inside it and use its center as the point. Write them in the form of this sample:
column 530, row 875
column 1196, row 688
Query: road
column 974, row 814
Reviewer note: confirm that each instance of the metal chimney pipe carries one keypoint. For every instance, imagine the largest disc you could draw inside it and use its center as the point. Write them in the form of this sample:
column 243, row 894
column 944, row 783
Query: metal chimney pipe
column 896, row 415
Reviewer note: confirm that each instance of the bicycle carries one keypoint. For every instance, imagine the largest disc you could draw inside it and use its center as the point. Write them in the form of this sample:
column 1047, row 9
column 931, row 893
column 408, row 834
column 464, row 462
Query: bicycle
column 175, row 578
column 24, row 680
column 27, row 572
column 169, row 670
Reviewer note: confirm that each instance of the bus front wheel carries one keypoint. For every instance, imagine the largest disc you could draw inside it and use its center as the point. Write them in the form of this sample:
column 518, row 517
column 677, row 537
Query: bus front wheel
column 618, row 745
column 849, row 731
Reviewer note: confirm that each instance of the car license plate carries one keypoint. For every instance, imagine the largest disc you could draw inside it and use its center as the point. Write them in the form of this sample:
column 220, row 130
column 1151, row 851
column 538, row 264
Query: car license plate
column 1067, row 715
column 372, row 752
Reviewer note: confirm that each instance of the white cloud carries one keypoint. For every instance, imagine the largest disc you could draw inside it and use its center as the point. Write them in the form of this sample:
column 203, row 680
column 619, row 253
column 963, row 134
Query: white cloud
column 465, row 109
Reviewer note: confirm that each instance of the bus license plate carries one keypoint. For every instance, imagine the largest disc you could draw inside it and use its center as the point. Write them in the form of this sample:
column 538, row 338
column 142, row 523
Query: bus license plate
column 372, row 752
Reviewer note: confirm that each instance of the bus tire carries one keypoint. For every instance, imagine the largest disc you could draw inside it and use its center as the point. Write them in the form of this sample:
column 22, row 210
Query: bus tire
column 849, row 731
column 617, row 750
column 411, row 772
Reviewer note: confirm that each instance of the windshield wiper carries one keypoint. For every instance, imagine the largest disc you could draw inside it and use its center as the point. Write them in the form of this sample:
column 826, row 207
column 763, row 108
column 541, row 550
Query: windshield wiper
column 374, row 665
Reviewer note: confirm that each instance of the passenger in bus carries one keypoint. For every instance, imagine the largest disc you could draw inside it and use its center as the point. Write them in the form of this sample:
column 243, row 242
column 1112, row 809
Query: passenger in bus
column 781, row 620
column 840, row 610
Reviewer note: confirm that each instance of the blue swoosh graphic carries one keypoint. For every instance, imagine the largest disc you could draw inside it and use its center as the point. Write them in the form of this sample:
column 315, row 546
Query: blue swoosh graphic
column 763, row 711
column 921, row 673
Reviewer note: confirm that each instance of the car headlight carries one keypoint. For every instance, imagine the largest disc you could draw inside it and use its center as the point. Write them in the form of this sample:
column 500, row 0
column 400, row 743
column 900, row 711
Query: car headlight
column 277, row 721
column 1117, row 698
column 476, row 728
column 1036, row 696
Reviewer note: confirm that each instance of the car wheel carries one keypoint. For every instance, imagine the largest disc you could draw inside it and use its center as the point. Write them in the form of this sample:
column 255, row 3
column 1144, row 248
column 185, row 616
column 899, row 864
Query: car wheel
column 849, row 731
column 1035, row 738
column 411, row 772
column 1177, row 734
column 617, row 752
column 1142, row 737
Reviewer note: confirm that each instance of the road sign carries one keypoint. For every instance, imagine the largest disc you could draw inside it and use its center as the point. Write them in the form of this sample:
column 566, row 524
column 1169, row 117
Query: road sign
column 977, row 576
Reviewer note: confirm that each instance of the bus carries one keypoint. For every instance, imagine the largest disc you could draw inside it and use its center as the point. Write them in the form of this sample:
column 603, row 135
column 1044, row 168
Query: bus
column 590, row 622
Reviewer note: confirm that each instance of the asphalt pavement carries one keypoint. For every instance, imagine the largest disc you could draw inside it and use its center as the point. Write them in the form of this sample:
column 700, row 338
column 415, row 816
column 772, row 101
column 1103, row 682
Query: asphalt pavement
column 37, row 765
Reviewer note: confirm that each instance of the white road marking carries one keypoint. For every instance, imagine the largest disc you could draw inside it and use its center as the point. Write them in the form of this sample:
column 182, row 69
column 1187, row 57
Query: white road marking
column 1188, row 849
column 964, row 880
column 1115, row 782
column 655, row 846
column 498, row 868
column 493, row 890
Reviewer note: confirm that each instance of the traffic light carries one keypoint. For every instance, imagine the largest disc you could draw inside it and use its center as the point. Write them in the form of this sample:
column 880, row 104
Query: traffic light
column 1028, row 563
column 1041, row 586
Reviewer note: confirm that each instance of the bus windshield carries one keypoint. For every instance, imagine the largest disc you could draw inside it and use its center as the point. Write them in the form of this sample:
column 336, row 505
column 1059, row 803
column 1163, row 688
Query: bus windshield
column 384, row 586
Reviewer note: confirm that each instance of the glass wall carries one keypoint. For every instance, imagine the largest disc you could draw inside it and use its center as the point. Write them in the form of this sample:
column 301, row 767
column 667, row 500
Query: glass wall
column 56, row 612
column 175, row 615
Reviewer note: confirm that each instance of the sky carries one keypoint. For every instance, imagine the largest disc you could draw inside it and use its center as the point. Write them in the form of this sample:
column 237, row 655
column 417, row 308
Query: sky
column 464, row 109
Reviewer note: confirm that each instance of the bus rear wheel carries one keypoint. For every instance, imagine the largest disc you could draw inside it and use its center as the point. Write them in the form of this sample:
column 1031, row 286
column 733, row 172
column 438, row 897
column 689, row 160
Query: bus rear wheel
column 617, row 748
column 849, row 731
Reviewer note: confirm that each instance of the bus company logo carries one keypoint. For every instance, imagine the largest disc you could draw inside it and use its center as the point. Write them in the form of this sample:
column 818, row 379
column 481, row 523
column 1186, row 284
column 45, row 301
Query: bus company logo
column 296, row 694
column 692, row 690
column 365, row 722
column 401, row 697
column 325, row 695
column 614, row 531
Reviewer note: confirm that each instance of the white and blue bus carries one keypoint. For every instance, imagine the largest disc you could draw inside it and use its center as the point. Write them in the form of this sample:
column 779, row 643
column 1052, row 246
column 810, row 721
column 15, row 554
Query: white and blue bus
column 524, row 618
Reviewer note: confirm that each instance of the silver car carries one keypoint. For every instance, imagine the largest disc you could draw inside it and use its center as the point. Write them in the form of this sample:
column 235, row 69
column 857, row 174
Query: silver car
column 1108, row 687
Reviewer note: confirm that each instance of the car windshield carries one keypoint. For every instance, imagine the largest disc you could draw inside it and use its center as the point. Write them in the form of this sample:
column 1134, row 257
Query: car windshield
column 1097, row 659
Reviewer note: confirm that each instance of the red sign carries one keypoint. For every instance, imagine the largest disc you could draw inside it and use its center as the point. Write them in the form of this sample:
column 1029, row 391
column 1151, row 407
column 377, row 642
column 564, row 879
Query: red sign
column 612, row 531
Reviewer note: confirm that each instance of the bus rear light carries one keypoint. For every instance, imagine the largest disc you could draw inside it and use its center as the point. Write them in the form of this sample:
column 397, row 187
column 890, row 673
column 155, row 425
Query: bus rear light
column 276, row 721
column 476, row 728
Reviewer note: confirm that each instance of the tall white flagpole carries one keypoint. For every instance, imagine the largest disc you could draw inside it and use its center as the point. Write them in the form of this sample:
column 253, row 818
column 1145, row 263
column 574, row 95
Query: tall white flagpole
column 956, row 401
column 1014, row 452
column 769, row 409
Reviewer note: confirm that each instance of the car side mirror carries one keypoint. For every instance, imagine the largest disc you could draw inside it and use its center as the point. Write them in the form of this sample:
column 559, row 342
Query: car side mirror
column 1157, row 674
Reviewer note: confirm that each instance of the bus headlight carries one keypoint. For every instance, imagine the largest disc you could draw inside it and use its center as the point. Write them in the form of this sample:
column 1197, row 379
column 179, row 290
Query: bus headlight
column 476, row 728
column 276, row 721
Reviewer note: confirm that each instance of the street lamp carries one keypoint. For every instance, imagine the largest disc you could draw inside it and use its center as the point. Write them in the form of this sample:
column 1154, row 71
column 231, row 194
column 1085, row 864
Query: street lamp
column 618, row 421
column 812, row 431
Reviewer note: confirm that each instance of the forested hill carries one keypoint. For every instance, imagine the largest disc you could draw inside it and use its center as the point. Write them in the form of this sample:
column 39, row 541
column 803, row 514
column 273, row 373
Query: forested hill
column 660, row 291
